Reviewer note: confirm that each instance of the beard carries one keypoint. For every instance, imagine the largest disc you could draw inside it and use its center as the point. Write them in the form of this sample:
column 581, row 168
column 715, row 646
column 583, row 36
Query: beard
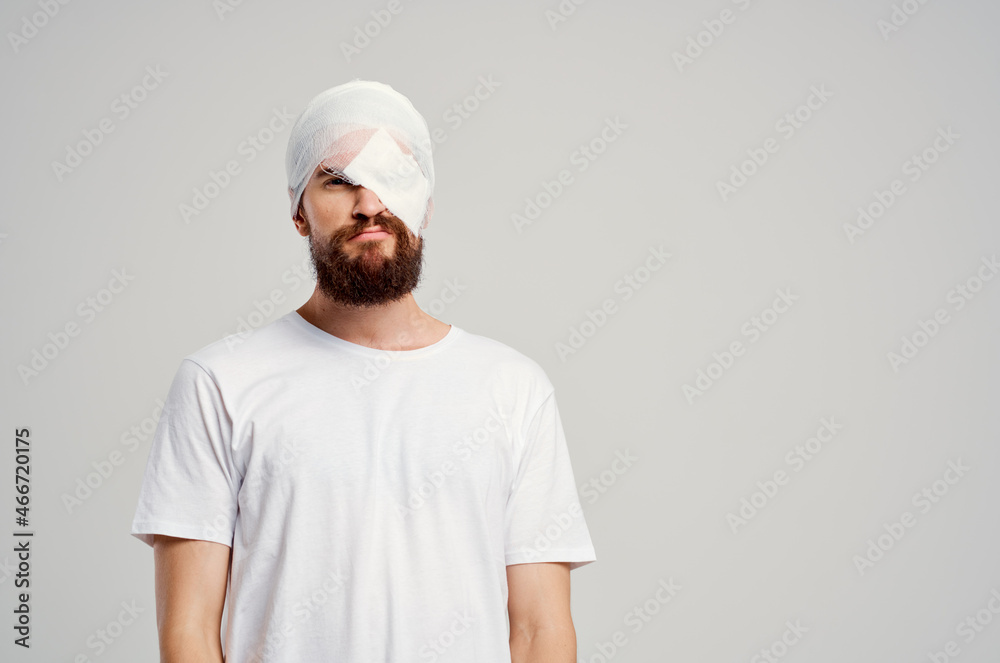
column 369, row 279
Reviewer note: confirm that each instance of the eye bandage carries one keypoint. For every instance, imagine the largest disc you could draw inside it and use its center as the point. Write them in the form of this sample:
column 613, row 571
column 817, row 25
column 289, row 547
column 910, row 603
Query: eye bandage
column 373, row 136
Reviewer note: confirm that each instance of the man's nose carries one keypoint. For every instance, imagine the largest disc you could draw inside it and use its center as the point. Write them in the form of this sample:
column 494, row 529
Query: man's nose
column 367, row 204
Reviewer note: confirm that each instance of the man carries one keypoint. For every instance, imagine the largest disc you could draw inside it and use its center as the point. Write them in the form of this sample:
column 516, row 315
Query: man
column 369, row 483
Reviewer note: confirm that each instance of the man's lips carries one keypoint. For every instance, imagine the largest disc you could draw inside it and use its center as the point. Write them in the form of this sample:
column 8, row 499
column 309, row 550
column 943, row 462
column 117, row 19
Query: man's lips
column 371, row 233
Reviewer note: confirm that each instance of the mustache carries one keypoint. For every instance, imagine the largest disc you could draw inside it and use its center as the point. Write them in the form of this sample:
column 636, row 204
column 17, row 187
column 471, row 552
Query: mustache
column 391, row 223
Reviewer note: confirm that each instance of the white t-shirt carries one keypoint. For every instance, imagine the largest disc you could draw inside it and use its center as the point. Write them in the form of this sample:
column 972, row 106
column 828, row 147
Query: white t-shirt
column 372, row 498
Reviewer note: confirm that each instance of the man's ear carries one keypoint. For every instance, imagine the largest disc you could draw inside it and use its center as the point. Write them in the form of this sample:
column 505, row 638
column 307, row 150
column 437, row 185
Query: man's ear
column 301, row 224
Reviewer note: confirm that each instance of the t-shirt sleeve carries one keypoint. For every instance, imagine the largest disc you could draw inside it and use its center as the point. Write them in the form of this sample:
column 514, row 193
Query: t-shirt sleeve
column 191, row 484
column 544, row 519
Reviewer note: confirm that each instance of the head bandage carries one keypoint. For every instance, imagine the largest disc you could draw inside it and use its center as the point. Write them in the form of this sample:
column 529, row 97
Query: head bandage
column 372, row 136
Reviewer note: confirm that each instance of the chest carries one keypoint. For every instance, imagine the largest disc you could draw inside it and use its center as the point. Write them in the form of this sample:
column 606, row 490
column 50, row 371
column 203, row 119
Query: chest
column 415, row 446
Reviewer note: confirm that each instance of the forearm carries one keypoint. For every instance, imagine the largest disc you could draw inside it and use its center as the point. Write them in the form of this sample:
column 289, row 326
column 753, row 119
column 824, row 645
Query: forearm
column 550, row 645
column 191, row 577
column 187, row 646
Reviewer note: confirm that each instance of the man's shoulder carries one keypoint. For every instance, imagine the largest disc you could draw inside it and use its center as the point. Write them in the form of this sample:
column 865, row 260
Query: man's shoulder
column 245, row 346
column 497, row 356
column 247, row 352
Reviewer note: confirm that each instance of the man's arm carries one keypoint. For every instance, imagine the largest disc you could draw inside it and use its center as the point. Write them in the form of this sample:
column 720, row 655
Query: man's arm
column 541, row 626
column 191, row 578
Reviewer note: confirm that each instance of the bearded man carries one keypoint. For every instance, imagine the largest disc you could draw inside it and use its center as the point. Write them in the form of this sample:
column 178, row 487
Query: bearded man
column 425, row 511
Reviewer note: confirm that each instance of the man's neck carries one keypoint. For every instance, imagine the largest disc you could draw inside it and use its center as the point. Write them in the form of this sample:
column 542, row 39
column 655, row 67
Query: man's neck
column 399, row 325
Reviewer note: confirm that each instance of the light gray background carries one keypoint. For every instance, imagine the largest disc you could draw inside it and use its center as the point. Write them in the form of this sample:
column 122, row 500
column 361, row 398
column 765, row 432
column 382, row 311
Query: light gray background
column 665, row 516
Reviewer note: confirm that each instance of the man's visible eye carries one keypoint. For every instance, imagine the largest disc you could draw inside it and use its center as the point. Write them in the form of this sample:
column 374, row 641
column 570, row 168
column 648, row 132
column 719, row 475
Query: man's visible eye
column 337, row 180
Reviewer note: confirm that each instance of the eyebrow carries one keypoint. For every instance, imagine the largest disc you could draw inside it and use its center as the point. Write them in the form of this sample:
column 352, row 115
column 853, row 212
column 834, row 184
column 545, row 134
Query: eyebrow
column 323, row 173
